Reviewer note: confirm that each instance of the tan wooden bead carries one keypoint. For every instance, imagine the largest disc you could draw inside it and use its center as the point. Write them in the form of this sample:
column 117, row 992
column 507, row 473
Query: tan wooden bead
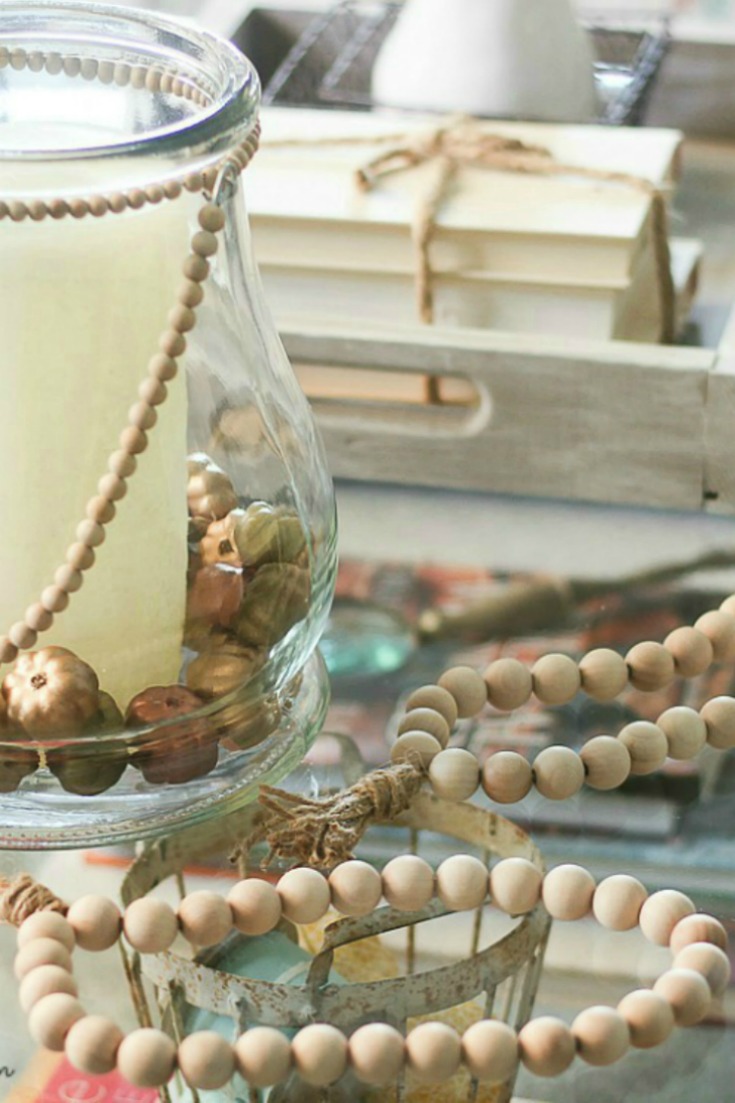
column 122, row 464
column 263, row 1056
column 434, row 697
column 558, row 773
column 660, row 914
column 256, row 906
column 712, row 962
column 152, row 390
column 356, row 888
column 191, row 293
column 69, row 575
column 685, row 731
column 454, row 774
column 211, row 218
column 42, row 951
column 92, row 1044
column 55, row 599
column 547, row 1046
column 433, row 1052
column 650, row 665
column 691, row 651
column 728, row 605
column 515, row 885
column 206, row 1060
column 567, row 892
column 38, row 617
column 462, row 882
column 649, row 1017
column 113, row 487
column 719, row 628
column 162, row 367
column 52, row 1018
column 556, row 679
column 426, row 720
column 698, row 928
column 319, row 1053
column 467, row 688
column 96, row 921
column 150, row 925
column 136, row 198
column 46, row 924
column 304, row 895
column 688, row 994
column 377, row 1054
column 602, row 1035
column 646, row 744
column 21, row 636
column 507, row 777
column 415, row 746
column 606, row 762
column 204, row 918
column 100, row 509
column 490, row 1051
column 182, row 318
column 196, row 268
column 142, row 416
column 408, row 882
column 508, row 684
column 204, row 244
column 172, row 343
column 618, row 901
column 44, row 981
column 133, row 440
column 719, row 717
column 146, row 1058
column 8, row 650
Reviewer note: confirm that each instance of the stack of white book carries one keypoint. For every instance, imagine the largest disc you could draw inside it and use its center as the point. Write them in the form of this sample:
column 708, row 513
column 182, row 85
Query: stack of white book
column 554, row 254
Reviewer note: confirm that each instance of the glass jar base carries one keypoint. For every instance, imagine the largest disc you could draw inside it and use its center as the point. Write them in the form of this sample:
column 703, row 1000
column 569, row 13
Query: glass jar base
column 41, row 816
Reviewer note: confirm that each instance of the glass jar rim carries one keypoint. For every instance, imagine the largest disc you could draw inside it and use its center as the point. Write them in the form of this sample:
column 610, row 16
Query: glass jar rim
column 201, row 137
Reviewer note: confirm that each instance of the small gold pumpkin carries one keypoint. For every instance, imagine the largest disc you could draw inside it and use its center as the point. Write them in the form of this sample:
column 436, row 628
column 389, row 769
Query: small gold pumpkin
column 223, row 665
column 209, row 491
column 276, row 599
column 268, row 534
column 51, row 692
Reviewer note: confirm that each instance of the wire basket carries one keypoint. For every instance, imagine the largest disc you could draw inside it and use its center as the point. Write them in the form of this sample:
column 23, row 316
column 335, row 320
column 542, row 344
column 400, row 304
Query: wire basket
column 332, row 61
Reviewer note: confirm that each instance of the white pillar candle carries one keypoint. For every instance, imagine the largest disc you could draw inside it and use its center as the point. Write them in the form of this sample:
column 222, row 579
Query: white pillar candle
column 83, row 304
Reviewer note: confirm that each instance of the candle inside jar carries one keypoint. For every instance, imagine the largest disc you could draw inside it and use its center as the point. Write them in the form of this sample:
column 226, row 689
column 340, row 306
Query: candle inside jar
column 84, row 303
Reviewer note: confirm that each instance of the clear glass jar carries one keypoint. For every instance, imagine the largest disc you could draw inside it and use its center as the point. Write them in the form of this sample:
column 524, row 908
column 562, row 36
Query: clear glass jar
column 191, row 674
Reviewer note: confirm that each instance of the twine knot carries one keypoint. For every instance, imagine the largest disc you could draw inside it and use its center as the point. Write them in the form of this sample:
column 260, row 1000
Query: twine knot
column 22, row 896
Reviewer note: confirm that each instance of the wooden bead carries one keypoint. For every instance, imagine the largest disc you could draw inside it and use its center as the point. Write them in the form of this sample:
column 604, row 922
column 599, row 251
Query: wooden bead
column 433, row 1052
column 8, row 650
column 547, row 1046
column 650, row 666
column 356, row 888
column 146, row 1058
column 255, row 905
column 44, row 981
column 490, row 1051
column 69, row 576
column 508, row 684
column 21, row 636
column 434, row 697
column 728, row 605
column 558, row 773
column 191, row 294
column 660, row 914
column 454, row 774
column 646, row 744
column 162, row 367
column 467, row 688
column 698, row 928
column 152, row 390
column 507, row 777
column 113, row 487
column 100, row 510
column 603, row 674
column 55, row 599
column 142, row 416
column 691, row 651
column 90, row 533
column 426, row 720
column 649, row 1017
column 182, row 318
column 45, row 951
column 304, row 895
column 319, row 1053
column 122, row 464
column 618, row 901
column 206, row 1061
column 52, row 1018
column 719, row 718
column 462, row 882
column 687, row 993
column 38, row 617
column 196, row 268
column 92, row 1044
column 376, row 1053
column 96, row 921
column 263, row 1056
column 712, row 962
column 415, row 747
column 408, row 882
column 204, row 244
column 150, row 925
column 46, row 924
column 567, row 892
column 556, row 679
column 719, row 628
column 133, row 440
column 172, row 343
column 515, row 885
column 606, row 762
column 204, row 918
column 601, row 1035
column 211, row 218
column 685, row 731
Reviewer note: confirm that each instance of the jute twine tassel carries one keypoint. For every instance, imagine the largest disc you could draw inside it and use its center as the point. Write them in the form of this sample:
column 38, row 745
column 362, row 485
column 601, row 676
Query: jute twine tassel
column 22, row 896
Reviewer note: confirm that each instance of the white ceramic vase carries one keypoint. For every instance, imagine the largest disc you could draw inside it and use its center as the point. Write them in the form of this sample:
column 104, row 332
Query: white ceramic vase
column 525, row 59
